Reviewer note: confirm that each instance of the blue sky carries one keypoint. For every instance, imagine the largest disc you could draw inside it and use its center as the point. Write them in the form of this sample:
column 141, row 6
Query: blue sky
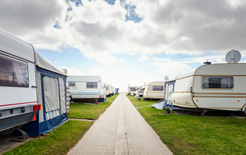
column 128, row 41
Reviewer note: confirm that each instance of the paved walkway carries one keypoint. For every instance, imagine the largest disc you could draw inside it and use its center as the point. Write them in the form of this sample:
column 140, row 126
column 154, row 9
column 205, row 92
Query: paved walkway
column 120, row 130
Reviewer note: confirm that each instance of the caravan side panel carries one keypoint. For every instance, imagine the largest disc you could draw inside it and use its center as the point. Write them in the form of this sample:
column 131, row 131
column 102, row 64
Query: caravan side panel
column 154, row 90
column 17, row 82
column 85, row 87
column 182, row 95
column 221, row 99
column 80, row 91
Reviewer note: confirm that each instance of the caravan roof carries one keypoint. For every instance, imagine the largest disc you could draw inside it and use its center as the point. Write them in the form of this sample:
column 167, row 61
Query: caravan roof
column 84, row 78
column 132, row 86
column 156, row 83
column 16, row 46
column 215, row 69
column 185, row 74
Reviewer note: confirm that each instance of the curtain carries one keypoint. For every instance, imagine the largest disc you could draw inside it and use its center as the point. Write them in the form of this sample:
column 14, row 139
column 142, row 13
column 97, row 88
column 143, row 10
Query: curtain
column 62, row 95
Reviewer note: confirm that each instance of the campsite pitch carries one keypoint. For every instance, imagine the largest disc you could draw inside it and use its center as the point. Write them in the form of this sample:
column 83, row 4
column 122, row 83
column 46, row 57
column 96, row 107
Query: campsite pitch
column 62, row 139
column 59, row 141
column 185, row 134
column 89, row 111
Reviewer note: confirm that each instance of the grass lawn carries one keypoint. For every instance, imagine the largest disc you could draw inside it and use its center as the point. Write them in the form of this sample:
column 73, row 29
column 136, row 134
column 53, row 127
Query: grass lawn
column 59, row 141
column 89, row 111
column 63, row 138
column 185, row 134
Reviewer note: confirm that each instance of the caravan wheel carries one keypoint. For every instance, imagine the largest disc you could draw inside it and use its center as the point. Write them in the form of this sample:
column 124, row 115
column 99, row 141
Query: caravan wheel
column 167, row 111
column 244, row 112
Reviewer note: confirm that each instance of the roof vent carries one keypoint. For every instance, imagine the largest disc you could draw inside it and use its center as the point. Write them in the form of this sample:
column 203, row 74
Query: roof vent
column 207, row 63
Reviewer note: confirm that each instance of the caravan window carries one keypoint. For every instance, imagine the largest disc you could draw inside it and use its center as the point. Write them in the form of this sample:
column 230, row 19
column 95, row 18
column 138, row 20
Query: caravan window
column 71, row 84
column 132, row 89
column 13, row 72
column 157, row 88
column 217, row 82
column 91, row 85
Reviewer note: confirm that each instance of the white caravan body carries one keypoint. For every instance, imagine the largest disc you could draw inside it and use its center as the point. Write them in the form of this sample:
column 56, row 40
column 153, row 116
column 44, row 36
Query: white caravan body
column 103, row 91
column 112, row 90
column 132, row 90
column 108, row 89
column 86, row 87
column 18, row 87
column 140, row 91
column 154, row 90
column 215, row 86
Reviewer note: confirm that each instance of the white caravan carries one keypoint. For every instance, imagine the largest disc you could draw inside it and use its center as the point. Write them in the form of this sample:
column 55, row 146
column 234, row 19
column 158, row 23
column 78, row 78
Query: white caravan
column 215, row 86
column 140, row 91
column 108, row 90
column 112, row 90
column 18, row 89
column 154, row 90
column 132, row 90
column 169, row 89
column 104, row 92
column 86, row 88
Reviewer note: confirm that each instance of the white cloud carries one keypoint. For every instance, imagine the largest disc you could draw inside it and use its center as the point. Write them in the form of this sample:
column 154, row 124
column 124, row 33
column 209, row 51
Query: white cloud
column 27, row 17
column 143, row 58
column 99, row 29
column 170, row 67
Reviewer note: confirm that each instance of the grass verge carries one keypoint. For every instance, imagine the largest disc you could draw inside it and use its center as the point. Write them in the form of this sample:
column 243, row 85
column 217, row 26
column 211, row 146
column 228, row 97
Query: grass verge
column 89, row 111
column 63, row 138
column 185, row 134
column 59, row 141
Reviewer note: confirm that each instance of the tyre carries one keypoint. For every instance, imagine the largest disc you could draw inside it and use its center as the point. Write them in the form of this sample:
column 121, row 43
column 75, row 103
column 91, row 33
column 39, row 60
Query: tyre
column 167, row 112
column 244, row 112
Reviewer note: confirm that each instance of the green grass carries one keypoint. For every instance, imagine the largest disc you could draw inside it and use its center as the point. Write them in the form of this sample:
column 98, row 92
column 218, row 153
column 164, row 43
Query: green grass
column 185, row 134
column 59, row 141
column 141, row 103
column 89, row 111
column 63, row 138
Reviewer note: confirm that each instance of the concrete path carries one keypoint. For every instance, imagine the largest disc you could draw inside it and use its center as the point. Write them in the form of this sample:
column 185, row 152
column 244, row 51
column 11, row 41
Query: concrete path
column 120, row 130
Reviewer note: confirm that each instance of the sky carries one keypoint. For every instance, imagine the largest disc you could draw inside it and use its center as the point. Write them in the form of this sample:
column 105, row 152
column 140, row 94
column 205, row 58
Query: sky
column 128, row 42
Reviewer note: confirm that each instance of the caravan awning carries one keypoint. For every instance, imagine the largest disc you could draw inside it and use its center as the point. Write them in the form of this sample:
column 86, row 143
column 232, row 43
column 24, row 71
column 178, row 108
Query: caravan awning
column 45, row 64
